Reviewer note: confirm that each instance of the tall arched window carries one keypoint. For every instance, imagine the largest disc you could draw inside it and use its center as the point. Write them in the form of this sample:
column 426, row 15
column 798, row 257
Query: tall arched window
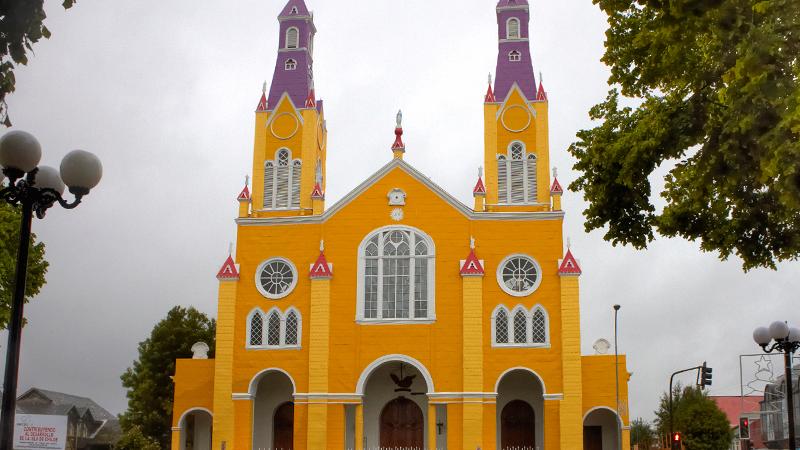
column 282, row 181
column 521, row 327
column 274, row 329
column 516, row 175
column 501, row 327
column 292, row 36
column 514, row 56
column 538, row 327
column 396, row 276
column 290, row 64
column 512, row 28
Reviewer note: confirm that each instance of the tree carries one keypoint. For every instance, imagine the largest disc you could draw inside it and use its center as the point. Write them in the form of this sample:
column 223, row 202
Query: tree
column 21, row 26
column 10, row 218
column 148, row 382
column 134, row 439
column 716, row 84
column 643, row 435
column 701, row 423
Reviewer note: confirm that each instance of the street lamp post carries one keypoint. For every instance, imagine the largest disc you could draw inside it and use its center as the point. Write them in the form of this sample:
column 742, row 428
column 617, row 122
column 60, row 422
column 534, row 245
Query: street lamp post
column 616, row 379
column 35, row 189
column 787, row 341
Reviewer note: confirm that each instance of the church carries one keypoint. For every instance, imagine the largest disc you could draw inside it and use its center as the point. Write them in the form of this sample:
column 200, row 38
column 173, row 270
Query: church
column 399, row 317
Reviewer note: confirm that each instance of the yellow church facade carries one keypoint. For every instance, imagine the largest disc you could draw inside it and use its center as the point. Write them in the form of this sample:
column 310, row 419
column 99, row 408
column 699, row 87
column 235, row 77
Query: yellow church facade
column 399, row 317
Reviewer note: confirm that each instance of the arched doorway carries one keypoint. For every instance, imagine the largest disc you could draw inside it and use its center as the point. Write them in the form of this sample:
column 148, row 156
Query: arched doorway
column 520, row 410
column 196, row 430
column 273, row 410
column 600, row 429
column 402, row 424
column 517, row 426
column 283, row 427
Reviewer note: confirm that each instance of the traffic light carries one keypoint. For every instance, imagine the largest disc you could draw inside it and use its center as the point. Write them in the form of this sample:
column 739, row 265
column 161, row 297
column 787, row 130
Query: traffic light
column 676, row 441
column 705, row 375
column 744, row 428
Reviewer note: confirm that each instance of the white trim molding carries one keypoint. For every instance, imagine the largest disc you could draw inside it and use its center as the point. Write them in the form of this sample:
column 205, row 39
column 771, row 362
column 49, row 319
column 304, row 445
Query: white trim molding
column 242, row 396
column 523, row 369
column 191, row 410
column 606, row 408
column 362, row 379
column 553, row 396
column 251, row 389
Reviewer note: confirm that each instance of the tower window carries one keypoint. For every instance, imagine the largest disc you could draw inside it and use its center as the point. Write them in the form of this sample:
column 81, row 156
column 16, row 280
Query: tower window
column 282, row 181
column 520, row 327
column 516, row 176
column 292, row 36
column 512, row 28
column 514, row 56
column 291, row 64
column 294, row 10
column 274, row 329
column 396, row 276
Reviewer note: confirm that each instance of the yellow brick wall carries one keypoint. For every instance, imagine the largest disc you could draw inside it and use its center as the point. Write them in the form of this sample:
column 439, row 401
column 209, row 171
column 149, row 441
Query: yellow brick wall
column 224, row 366
column 571, row 407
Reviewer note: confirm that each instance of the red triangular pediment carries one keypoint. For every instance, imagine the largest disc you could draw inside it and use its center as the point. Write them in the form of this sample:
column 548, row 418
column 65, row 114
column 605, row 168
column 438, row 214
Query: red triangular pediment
column 317, row 192
column 244, row 195
column 228, row 270
column 541, row 95
column 479, row 189
column 569, row 265
column 398, row 140
column 490, row 96
column 556, row 188
column 262, row 104
column 472, row 265
column 321, row 268
column 310, row 102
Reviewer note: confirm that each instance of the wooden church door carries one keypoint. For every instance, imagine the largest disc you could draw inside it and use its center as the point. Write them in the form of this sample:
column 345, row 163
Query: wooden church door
column 592, row 438
column 402, row 425
column 517, row 426
column 283, row 427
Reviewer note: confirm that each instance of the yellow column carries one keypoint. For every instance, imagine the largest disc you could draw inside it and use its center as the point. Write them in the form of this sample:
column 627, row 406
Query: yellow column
column 223, row 367
column 572, row 404
column 455, row 415
column 552, row 430
column 472, row 289
column 556, row 202
column 300, row 427
column 244, row 423
column 359, row 438
column 431, row 426
column 489, row 426
column 480, row 201
column 318, row 355
column 244, row 207
column 176, row 438
column 490, row 125
column 336, row 425
column 626, row 437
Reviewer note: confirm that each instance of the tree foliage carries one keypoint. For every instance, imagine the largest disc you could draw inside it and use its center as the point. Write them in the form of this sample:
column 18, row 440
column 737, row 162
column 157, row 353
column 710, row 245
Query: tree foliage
column 149, row 386
column 643, row 435
column 716, row 83
column 701, row 423
column 134, row 439
column 9, row 245
column 21, row 26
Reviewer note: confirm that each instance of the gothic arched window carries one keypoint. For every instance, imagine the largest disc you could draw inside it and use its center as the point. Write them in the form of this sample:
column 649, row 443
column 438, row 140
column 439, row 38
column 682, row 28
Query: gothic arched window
column 282, row 181
column 290, row 64
column 516, row 176
column 539, row 326
column 256, row 329
column 292, row 328
column 292, row 36
column 520, row 327
column 514, row 56
column 396, row 276
column 274, row 329
column 281, row 330
column 501, row 326
column 512, row 28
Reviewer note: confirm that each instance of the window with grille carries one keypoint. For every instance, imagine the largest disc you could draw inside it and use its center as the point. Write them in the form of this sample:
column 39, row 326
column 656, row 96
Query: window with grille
column 396, row 269
column 520, row 328
column 512, row 28
column 291, row 64
column 519, row 275
column 516, row 176
column 276, row 278
column 282, row 178
column 514, row 56
column 292, row 36
column 275, row 329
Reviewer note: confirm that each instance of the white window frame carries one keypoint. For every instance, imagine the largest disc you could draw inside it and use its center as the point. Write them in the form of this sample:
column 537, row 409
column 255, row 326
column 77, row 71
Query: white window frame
column 290, row 64
column 431, row 279
column 297, row 38
column 512, row 292
column 291, row 203
column 282, row 315
column 508, row 28
column 528, row 164
column 514, row 56
column 258, row 278
column 528, row 313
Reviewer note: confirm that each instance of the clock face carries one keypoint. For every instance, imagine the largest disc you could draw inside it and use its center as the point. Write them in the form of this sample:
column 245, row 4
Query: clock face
column 397, row 214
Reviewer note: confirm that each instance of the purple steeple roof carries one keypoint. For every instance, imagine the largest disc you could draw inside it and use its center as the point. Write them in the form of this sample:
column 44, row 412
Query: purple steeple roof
column 514, row 64
column 294, row 73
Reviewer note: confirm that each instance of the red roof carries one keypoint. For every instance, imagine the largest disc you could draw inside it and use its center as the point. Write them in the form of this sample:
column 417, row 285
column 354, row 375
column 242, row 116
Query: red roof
column 244, row 195
column 490, row 96
column 541, row 95
column 317, row 192
column 310, row 102
column 472, row 266
column 228, row 270
column 480, row 189
column 556, row 187
column 262, row 104
column 321, row 268
column 569, row 266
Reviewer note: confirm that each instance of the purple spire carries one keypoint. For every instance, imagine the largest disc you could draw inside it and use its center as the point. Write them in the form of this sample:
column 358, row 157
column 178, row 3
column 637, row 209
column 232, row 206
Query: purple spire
column 294, row 67
column 514, row 63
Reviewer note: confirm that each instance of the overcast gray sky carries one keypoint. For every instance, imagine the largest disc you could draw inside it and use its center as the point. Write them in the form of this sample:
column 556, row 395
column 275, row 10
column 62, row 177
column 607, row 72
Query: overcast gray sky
column 164, row 93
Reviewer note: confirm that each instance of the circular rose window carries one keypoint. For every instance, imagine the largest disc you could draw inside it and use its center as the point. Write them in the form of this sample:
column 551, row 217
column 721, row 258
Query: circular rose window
column 276, row 278
column 519, row 275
